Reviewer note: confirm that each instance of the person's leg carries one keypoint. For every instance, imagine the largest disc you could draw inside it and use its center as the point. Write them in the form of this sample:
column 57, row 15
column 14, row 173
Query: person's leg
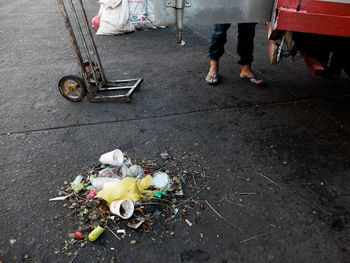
column 218, row 38
column 245, row 49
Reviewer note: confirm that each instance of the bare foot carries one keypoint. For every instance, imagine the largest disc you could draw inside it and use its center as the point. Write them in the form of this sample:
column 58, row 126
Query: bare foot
column 213, row 72
column 247, row 72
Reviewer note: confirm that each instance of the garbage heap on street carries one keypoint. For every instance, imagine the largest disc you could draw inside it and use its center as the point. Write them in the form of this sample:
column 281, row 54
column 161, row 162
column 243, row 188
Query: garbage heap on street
column 116, row 195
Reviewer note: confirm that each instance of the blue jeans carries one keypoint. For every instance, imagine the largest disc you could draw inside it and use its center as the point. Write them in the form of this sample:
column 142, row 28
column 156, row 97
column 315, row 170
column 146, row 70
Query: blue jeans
column 245, row 43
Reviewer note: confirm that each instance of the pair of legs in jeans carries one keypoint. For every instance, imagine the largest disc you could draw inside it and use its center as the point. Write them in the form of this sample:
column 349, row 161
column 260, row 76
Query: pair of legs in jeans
column 245, row 48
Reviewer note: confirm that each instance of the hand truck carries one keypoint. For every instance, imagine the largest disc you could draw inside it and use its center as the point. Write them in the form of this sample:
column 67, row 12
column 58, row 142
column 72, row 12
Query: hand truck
column 93, row 79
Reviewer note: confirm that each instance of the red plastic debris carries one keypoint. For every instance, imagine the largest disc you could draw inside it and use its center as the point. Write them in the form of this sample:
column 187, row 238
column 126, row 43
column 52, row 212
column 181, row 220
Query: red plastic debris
column 78, row 235
column 92, row 194
column 147, row 171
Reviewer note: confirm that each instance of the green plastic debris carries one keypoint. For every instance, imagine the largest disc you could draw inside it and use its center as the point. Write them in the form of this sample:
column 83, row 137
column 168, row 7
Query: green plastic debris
column 160, row 194
column 66, row 245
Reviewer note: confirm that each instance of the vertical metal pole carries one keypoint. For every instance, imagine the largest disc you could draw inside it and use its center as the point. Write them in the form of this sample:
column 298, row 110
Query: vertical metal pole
column 75, row 45
column 180, row 4
column 98, row 84
column 93, row 43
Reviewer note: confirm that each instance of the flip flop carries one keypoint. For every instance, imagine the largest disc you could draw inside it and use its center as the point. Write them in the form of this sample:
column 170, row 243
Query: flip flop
column 260, row 84
column 212, row 77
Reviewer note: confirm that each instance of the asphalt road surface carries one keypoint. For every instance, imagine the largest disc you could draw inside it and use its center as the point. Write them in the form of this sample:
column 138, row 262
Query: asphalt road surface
column 287, row 143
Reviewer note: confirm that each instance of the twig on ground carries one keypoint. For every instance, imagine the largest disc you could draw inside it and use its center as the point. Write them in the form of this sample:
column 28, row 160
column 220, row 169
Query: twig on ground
column 270, row 180
column 114, row 234
column 194, row 187
column 237, row 204
column 185, row 201
column 183, row 180
column 216, row 212
column 194, row 180
column 155, row 215
column 229, row 177
column 261, row 235
column 74, row 257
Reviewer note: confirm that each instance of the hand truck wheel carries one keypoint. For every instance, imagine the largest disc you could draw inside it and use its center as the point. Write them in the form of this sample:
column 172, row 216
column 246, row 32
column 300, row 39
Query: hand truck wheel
column 72, row 88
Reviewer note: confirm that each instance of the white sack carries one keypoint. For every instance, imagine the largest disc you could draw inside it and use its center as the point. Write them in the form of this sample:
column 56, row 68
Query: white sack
column 138, row 10
column 115, row 18
column 150, row 10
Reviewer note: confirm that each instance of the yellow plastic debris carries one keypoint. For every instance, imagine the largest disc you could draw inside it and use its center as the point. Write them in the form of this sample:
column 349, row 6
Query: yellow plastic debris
column 128, row 188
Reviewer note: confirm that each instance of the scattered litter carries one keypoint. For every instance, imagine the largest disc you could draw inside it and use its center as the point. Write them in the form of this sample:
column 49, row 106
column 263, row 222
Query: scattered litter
column 134, row 171
column 92, row 195
column 146, row 171
column 128, row 188
column 77, row 184
column 160, row 195
column 115, row 158
column 122, row 208
column 110, row 171
column 77, row 180
column 201, row 235
column 13, row 241
column 60, row 198
column 176, row 210
column 115, row 193
column 136, row 225
column 188, row 222
column 78, row 235
column 161, row 180
column 121, row 231
column 133, row 242
column 100, row 183
column 66, row 245
column 114, row 234
column 94, row 234
column 165, row 156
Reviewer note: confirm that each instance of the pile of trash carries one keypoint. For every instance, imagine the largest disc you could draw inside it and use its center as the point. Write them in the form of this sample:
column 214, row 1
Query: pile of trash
column 116, row 194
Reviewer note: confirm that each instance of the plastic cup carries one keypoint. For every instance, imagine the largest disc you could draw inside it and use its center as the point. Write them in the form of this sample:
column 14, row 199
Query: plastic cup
column 161, row 180
column 122, row 208
column 115, row 158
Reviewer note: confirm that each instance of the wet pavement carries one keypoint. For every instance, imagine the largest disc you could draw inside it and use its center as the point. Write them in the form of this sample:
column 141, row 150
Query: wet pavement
column 276, row 159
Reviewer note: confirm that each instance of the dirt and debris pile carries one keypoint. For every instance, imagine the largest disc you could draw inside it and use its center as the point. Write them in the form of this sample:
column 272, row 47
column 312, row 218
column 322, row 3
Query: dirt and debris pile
column 116, row 195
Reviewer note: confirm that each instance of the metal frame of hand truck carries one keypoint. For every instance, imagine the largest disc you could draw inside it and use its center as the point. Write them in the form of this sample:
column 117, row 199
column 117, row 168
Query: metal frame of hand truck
column 92, row 71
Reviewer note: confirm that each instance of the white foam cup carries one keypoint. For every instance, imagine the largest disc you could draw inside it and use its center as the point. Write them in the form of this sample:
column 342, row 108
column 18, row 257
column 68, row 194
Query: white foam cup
column 122, row 208
column 115, row 158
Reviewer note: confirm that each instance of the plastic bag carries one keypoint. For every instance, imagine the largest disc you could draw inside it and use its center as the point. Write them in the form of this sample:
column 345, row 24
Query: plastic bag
column 134, row 171
column 115, row 18
column 100, row 183
column 138, row 10
column 97, row 19
column 150, row 10
column 128, row 188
